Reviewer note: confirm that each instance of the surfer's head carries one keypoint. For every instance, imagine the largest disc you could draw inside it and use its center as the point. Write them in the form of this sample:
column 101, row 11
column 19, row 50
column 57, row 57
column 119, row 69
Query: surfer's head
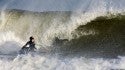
column 31, row 38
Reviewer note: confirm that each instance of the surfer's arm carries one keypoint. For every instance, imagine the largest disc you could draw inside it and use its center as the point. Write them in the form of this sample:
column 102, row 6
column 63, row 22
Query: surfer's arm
column 26, row 44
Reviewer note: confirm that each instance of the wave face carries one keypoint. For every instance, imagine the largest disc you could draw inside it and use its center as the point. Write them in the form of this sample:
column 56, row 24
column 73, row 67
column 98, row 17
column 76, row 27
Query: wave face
column 103, row 36
column 71, row 40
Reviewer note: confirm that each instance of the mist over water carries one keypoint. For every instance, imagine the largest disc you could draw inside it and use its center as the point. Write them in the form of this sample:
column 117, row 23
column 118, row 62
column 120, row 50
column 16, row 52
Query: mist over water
column 70, row 35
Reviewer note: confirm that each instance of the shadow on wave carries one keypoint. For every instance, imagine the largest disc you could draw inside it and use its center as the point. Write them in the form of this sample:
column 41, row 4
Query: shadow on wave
column 107, row 42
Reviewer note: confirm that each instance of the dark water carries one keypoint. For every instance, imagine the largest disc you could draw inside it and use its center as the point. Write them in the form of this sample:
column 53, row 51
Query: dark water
column 108, row 39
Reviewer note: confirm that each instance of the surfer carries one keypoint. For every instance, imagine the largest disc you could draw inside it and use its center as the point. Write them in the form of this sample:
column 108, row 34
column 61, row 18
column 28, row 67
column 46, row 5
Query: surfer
column 30, row 45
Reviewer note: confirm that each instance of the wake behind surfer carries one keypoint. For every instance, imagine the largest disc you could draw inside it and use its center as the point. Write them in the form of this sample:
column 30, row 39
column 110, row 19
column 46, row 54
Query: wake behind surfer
column 30, row 45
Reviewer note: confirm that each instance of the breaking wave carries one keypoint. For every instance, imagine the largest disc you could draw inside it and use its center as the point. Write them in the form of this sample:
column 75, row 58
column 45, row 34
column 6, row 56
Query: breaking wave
column 74, row 40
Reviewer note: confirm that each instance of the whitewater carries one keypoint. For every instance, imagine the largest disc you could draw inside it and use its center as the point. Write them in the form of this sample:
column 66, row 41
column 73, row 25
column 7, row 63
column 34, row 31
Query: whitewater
column 69, row 35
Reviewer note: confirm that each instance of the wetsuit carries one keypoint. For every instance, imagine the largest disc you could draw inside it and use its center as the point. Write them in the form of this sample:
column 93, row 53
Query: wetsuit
column 31, row 46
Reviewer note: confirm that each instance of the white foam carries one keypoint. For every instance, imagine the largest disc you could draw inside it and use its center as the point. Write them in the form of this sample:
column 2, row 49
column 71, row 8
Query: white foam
column 9, row 43
column 54, row 63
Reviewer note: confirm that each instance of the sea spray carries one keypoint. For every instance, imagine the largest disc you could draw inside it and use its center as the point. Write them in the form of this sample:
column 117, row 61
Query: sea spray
column 38, row 62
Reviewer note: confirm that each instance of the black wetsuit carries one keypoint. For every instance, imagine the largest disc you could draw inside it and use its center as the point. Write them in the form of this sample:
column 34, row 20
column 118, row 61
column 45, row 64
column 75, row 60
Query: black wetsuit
column 31, row 46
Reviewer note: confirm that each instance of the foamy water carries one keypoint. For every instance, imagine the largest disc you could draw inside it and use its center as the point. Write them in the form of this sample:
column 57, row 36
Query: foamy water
column 46, row 62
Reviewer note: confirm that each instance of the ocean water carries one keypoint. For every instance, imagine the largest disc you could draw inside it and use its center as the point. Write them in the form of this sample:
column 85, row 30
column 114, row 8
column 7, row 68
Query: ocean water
column 63, row 43
column 93, row 39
